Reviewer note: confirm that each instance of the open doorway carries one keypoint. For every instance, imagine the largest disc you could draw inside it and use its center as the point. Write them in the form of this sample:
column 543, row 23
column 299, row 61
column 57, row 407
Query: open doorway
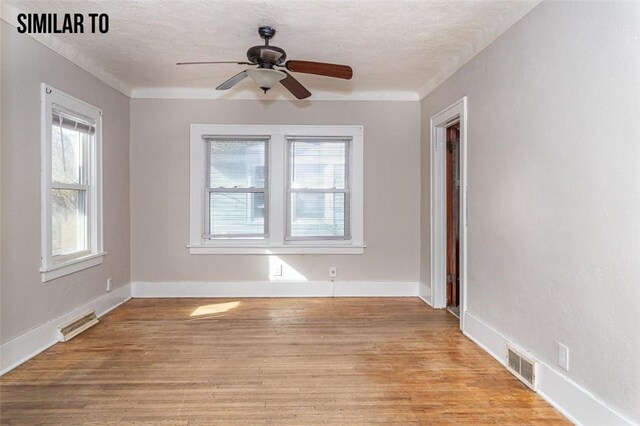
column 452, row 182
column 448, row 210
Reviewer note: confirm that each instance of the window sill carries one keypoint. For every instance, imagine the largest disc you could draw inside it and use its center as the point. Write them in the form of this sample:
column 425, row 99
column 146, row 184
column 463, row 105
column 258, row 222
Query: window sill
column 52, row 272
column 267, row 250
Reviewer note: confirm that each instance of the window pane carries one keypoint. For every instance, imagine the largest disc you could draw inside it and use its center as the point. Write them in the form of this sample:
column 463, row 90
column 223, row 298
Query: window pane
column 317, row 215
column 66, row 155
column 319, row 165
column 238, row 164
column 69, row 221
column 236, row 213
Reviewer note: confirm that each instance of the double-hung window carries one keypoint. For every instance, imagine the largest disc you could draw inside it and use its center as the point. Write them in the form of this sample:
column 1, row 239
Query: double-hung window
column 236, row 193
column 276, row 189
column 318, row 189
column 71, row 190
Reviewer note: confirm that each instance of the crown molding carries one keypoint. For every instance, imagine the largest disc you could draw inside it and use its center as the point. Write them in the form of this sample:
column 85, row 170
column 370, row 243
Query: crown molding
column 318, row 95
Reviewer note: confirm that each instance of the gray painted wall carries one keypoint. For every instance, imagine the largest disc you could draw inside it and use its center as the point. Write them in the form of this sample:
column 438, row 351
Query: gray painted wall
column 553, row 199
column 160, row 189
column 26, row 302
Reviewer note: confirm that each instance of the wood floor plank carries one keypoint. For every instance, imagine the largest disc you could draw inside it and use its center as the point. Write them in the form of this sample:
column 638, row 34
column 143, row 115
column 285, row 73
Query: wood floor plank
column 269, row 361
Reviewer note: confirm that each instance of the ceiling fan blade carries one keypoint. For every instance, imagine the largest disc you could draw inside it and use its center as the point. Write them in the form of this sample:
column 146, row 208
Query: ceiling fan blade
column 233, row 81
column 295, row 87
column 214, row 62
column 320, row 68
column 270, row 55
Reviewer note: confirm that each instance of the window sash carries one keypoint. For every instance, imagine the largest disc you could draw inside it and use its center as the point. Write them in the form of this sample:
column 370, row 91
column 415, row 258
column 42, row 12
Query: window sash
column 83, row 228
column 72, row 256
column 211, row 236
column 346, row 190
column 60, row 258
column 86, row 143
column 347, row 215
column 74, row 121
column 72, row 186
column 206, row 226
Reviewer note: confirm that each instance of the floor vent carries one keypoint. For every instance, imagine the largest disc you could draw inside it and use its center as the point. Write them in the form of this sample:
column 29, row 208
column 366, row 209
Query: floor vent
column 71, row 330
column 523, row 367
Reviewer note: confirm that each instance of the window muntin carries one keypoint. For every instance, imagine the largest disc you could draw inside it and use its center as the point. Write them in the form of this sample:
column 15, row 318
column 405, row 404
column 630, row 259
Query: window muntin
column 236, row 193
column 318, row 195
column 72, row 136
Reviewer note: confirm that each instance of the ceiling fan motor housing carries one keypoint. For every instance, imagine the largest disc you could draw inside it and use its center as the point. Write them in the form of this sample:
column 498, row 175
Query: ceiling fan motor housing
column 268, row 55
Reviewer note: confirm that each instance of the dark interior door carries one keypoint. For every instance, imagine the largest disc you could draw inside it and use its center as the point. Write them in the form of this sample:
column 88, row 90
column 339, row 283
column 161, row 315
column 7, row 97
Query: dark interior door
column 453, row 217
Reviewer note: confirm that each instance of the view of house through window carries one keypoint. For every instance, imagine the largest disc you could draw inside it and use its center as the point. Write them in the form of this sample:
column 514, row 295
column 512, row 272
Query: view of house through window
column 237, row 188
column 318, row 194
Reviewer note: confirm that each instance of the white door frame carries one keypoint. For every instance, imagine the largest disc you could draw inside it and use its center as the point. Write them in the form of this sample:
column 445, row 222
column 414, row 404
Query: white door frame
column 439, row 122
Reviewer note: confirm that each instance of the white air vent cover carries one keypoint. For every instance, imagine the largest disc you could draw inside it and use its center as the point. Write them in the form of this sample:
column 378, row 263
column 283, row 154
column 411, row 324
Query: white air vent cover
column 72, row 329
column 523, row 367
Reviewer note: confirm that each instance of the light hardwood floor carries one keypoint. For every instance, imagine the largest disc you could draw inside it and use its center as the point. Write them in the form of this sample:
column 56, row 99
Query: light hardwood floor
column 269, row 361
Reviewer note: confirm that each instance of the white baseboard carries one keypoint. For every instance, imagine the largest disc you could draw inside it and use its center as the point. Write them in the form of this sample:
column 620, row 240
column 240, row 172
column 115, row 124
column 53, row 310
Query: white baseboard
column 274, row 289
column 576, row 403
column 424, row 293
column 26, row 346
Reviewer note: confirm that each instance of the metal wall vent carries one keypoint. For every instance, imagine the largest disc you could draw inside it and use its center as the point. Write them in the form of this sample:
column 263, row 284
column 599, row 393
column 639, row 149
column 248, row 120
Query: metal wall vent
column 523, row 367
column 72, row 329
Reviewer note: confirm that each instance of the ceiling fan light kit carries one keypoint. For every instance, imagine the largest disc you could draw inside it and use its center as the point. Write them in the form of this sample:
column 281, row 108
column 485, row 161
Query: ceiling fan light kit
column 266, row 76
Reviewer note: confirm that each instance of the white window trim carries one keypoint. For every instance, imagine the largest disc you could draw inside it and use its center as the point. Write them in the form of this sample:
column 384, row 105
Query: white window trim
column 49, row 269
column 277, row 179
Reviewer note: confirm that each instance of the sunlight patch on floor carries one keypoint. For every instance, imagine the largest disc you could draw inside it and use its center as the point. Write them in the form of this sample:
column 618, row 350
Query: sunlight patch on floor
column 216, row 308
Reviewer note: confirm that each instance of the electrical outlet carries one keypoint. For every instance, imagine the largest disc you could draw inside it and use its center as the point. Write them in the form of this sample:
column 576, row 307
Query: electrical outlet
column 278, row 271
column 563, row 356
column 109, row 286
column 333, row 272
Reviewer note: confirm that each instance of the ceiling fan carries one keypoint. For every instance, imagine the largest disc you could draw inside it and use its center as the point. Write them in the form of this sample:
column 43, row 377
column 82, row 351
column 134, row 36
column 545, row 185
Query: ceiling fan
column 267, row 58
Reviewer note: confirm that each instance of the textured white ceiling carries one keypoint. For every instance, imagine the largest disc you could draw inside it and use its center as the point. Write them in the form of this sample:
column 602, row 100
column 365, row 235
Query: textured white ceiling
column 398, row 49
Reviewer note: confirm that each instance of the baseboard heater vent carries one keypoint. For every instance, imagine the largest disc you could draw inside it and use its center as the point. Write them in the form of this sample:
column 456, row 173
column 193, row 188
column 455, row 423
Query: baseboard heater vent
column 523, row 367
column 71, row 330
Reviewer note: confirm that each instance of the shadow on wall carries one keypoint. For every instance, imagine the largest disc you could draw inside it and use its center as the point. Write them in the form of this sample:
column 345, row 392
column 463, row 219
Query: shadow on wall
column 279, row 270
